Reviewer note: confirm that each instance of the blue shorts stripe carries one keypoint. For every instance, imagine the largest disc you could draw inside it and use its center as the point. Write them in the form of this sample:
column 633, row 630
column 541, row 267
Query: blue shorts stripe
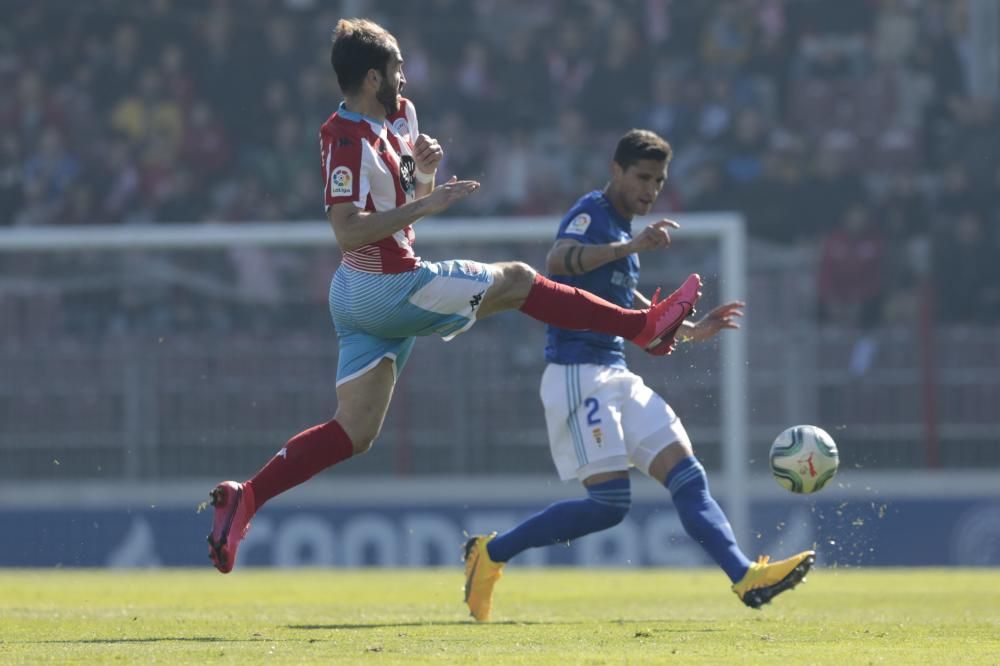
column 574, row 427
column 579, row 398
column 578, row 402
column 570, row 411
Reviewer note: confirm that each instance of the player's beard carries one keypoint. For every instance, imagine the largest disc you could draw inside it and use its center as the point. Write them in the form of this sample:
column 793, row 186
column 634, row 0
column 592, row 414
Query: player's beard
column 389, row 97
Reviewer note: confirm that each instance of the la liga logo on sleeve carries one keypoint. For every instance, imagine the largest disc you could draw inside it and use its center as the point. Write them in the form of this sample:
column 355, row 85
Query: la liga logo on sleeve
column 579, row 224
column 340, row 182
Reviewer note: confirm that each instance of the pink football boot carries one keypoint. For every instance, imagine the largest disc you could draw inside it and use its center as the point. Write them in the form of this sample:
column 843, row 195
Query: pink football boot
column 665, row 317
column 234, row 506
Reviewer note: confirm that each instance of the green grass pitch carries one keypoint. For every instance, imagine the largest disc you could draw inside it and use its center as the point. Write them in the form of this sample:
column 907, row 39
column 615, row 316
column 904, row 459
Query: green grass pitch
column 542, row 616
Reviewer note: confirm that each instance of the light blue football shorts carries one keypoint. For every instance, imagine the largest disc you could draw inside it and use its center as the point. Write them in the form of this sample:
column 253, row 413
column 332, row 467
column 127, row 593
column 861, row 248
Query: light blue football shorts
column 379, row 315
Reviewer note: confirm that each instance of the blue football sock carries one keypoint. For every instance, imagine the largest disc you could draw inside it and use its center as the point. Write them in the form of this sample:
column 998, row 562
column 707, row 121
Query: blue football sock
column 605, row 506
column 703, row 518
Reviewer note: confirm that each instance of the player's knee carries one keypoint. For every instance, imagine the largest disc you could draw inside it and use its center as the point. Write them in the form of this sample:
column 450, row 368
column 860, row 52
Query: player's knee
column 611, row 501
column 520, row 274
column 362, row 445
column 362, row 427
column 362, row 436
column 614, row 514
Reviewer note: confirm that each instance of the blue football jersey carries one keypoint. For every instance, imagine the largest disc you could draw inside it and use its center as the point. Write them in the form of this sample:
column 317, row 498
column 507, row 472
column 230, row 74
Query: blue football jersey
column 593, row 221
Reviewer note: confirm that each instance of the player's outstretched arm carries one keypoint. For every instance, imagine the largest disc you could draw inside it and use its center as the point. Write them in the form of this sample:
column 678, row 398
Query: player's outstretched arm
column 570, row 257
column 723, row 317
column 355, row 228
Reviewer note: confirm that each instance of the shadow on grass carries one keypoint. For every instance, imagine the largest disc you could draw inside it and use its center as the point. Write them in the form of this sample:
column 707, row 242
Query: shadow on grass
column 150, row 639
column 446, row 623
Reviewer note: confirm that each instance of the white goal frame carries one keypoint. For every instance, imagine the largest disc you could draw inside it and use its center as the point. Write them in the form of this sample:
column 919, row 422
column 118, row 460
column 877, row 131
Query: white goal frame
column 728, row 229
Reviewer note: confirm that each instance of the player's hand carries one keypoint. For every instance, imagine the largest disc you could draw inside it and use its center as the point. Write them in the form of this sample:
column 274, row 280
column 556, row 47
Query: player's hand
column 444, row 196
column 427, row 153
column 656, row 235
column 723, row 317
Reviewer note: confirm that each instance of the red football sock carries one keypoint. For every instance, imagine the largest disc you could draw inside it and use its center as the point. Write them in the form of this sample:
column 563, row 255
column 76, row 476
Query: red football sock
column 578, row 310
column 304, row 456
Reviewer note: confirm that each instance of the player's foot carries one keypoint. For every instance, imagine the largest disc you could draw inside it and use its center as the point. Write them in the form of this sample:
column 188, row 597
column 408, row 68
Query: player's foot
column 765, row 580
column 481, row 574
column 664, row 318
column 234, row 506
column 669, row 342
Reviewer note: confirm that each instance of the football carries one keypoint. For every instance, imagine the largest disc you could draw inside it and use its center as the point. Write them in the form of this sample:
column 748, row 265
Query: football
column 804, row 458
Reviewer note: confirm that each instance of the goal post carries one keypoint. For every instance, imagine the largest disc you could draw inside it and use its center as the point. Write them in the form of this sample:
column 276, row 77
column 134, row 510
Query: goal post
column 726, row 230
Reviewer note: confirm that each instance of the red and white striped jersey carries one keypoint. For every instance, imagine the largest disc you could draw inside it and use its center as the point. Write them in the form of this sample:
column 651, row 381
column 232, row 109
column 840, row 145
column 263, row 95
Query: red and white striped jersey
column 370, row 163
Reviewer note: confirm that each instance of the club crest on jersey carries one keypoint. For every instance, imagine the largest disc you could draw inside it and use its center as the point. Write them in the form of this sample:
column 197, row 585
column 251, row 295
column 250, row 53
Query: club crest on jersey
column 340, row 182
column 579, row 224
column 407, row 166
column 401, row 127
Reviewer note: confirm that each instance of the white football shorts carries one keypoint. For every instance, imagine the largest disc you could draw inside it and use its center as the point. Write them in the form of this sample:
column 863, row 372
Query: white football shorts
column 604, row 419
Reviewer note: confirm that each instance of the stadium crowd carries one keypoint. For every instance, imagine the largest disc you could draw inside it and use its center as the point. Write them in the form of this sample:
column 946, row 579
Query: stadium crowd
column 853, row 127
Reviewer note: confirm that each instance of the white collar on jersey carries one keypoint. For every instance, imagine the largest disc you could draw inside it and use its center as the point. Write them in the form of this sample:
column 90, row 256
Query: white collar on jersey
column 344, row 112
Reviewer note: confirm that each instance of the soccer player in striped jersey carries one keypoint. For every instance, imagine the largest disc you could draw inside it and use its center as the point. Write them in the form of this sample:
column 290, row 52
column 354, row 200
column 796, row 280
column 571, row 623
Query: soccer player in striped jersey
column 601, row 418
column 379, row 179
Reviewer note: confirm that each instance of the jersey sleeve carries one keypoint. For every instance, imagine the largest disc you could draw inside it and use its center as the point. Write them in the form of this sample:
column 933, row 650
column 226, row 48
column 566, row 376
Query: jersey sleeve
column 583, row 226
column 344, row 176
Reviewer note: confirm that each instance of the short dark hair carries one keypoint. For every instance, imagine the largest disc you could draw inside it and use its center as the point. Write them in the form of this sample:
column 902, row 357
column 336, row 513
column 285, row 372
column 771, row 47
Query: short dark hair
column 640, row 144
column 358, row 46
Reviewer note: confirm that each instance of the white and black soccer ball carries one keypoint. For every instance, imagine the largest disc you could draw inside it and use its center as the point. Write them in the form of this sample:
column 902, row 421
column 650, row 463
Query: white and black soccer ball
column 804, row 458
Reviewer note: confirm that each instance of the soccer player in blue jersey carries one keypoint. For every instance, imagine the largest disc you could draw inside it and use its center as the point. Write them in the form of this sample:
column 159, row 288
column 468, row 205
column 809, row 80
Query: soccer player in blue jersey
column 601, row 418
column 379, row 180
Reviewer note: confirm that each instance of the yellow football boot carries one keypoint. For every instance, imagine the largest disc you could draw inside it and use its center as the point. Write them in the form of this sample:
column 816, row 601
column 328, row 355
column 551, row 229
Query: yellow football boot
column 765, row 580
column 481, row 574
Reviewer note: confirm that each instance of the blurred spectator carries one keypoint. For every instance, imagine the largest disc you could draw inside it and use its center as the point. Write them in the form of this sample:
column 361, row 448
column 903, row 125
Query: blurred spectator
column 831, row 189
column 957, row 194
column 967, row 271
column 728, row 36
column 778, row 205
column 52, row 169
column 904, row 215
column 148, row 116
column 474, row 84
column 745, row 148
column 11, row 176
column 795, row 112
column 611, row 95
column 206, row 145
column 850, row 277
column 48, row 178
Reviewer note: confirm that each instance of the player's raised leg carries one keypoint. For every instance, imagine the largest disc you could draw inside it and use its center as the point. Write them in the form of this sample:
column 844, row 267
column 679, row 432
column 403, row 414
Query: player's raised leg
column 518, row 286
column 361, row 407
